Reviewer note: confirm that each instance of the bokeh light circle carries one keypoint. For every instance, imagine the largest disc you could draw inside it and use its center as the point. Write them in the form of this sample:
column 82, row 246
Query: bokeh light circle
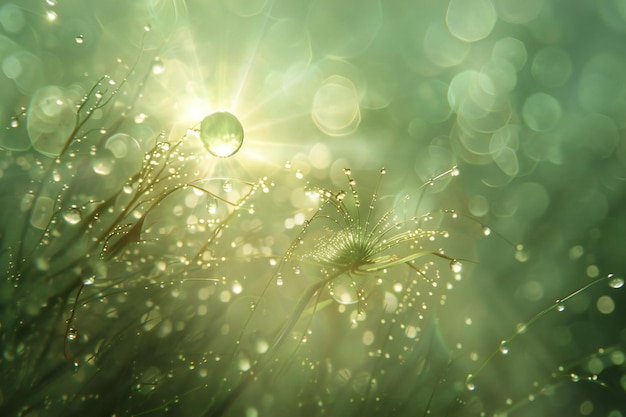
column 471, row 20
column 541, row 112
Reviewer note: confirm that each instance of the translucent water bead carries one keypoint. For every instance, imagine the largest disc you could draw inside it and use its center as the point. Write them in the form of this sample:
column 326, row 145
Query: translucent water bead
column 222, row 134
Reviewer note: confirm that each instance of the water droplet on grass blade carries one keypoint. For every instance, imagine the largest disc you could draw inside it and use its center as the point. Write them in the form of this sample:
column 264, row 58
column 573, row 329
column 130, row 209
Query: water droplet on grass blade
column 616, row 282
column 72, row 334
column 72, row 216
column 521, row 255
column 456, row 266
column 469, row 384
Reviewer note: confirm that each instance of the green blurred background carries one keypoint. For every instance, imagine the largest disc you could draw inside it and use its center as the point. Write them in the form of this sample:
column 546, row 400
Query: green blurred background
column 527, row 98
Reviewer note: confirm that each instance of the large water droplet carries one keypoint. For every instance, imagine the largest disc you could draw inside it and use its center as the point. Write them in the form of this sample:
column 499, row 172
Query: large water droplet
column 102, row 166
column 89, row 279
column 237, row 288
column 158, row 67
column 616, row 282
column 342, row 290
column 72, row 215
column 72, row 334
column 456, row 266
column 212, row 207
column 42, row 212
column 504, row 348
column 521, row 255
column 222, row 134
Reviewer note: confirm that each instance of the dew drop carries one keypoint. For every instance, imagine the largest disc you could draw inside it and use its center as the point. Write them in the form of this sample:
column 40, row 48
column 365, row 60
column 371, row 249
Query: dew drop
column 616, row 282
column 72, row 334
column 212, row 207
column 72, row 215
column 455, row 172
column 222, row 134
column 79, row 39
column 227, row 186
column 521, row 255
column 262, row 346
column 469, row 384
column 456, row 266
column 102, row 166
column 504, row 348
column 158, row 67
column 343, row 292
column 88, row 280
column 244, row 364
column 560, row 306
column 486, row 230
column 140, row 118
column 14, row 122
column 42, row 264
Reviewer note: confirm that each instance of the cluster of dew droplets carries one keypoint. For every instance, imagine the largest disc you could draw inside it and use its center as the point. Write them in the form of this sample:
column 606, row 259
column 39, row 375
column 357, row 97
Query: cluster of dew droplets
column 408, row 300
column 55, row 202
column 614, row 282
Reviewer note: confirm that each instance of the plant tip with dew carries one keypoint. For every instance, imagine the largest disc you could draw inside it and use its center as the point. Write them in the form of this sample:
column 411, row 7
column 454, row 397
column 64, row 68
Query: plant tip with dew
column 380, row 261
